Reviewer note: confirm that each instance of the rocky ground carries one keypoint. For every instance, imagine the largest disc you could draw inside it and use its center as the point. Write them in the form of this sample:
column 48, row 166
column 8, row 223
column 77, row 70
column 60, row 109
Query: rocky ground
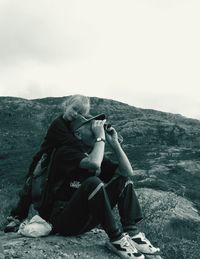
column 89, row 245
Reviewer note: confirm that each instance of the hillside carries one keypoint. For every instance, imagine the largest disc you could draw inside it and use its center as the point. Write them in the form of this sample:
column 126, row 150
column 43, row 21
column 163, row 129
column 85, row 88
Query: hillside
column 163, row 148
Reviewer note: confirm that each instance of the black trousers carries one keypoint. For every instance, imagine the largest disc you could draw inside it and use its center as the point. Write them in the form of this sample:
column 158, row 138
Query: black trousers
column 92, row 204
column 24, row 202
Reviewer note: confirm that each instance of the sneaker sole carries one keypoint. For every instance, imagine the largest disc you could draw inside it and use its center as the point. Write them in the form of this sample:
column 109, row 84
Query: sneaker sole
column 139, row 249
column 113, row 249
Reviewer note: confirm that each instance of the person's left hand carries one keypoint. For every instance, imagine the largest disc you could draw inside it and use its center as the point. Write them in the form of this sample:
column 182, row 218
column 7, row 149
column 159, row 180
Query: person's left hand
column 112, row 136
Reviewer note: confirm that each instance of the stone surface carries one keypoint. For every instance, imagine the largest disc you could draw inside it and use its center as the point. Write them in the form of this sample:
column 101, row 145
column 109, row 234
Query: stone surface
column 89, row 245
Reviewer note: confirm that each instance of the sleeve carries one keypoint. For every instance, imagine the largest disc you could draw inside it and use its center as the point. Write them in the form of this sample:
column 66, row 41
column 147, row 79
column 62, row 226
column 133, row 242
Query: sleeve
column 71, row 154
column 68, row 159
column 108, row 168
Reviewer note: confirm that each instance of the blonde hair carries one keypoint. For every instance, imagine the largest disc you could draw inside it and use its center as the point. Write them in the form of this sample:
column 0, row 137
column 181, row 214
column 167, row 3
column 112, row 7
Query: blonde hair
column 83, row 100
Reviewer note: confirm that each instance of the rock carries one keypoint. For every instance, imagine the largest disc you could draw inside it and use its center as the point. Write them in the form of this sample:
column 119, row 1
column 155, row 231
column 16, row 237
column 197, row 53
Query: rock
column 173, row 205
column 2, row 255
column 153, row 257
column 90, row 245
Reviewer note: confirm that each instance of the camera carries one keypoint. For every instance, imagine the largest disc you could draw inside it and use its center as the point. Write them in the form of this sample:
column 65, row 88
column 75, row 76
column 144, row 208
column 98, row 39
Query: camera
column 107, row 126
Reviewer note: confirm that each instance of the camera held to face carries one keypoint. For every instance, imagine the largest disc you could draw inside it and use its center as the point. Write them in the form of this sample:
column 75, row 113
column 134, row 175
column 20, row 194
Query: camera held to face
column 107, row 126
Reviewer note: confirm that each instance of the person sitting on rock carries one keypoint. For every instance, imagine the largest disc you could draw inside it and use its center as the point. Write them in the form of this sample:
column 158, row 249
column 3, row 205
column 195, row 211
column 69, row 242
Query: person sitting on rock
column 58, row 134
column 87, row 186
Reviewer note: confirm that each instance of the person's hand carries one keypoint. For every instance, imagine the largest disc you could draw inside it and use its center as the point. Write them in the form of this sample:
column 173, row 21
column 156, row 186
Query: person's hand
column 112, row 136
column 98, row 128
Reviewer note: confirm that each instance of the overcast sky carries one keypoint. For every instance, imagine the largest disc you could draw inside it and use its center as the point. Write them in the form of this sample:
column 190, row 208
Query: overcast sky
column 142, row 52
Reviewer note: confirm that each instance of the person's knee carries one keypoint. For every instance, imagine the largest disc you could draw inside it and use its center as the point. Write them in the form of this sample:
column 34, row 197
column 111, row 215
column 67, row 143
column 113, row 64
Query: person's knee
column 128, row 182
column 93, row 180
column 91, row 184
column 123, row 181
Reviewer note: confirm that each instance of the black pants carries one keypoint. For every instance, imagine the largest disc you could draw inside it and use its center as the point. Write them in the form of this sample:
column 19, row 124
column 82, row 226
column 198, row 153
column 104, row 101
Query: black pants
column 25, row 200
column 92, row 204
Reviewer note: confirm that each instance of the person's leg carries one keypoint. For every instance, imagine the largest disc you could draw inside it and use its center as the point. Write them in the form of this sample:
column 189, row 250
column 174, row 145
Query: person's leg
column 121, row 192
column 121, row 189
column 129, row 208
column 88, row 207
column 22, row 208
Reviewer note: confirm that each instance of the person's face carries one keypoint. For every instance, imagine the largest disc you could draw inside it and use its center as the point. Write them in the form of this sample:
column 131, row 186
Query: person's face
column 87, row 135
column 74, row 109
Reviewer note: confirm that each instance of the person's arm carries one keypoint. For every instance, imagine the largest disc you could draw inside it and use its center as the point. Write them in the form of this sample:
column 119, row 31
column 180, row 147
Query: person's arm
column 125, row 167
column 94, row 159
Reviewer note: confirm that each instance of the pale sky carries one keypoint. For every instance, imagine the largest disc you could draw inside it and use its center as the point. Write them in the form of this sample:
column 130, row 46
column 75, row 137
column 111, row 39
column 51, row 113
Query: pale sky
column 145, row 52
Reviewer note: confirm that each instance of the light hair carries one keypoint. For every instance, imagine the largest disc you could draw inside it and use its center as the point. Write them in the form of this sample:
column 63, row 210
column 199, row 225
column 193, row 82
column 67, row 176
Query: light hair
column 83, row 100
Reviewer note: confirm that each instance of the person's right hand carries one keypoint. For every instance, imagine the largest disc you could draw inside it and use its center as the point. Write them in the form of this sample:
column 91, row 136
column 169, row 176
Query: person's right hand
column 98, row 128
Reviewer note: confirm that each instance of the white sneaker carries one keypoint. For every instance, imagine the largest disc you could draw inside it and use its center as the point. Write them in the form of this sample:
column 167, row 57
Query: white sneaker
column 143, row 244
column 124, row 248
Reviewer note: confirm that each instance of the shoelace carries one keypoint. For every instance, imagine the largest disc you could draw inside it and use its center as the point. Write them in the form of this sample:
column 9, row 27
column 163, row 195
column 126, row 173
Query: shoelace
column 131, row 243
column 125, row 242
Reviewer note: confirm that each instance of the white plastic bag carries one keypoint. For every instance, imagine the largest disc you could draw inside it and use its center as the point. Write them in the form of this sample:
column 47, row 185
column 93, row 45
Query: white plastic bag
column 36, row 227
